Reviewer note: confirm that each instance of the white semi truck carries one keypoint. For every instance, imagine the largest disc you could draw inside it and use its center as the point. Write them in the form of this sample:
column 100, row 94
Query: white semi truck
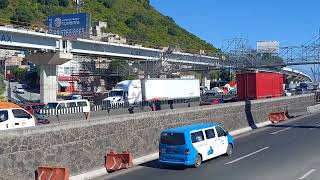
column 132, row 92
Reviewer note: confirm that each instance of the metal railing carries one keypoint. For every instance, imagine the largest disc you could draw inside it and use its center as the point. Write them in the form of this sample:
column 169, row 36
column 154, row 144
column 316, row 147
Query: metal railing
column 53, row 111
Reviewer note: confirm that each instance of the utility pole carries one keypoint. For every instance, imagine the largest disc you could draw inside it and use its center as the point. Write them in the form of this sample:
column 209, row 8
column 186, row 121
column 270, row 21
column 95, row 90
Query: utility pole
column 78, row 3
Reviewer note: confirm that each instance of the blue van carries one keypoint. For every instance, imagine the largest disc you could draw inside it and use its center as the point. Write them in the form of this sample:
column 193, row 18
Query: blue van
column 192, row 144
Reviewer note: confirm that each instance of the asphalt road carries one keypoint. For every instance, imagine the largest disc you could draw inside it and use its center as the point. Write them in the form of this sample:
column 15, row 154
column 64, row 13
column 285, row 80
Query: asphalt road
column 26, row 95
column 288, row 151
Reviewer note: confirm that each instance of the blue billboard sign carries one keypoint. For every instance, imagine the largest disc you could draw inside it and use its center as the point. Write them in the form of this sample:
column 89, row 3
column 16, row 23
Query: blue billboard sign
column 70, row 25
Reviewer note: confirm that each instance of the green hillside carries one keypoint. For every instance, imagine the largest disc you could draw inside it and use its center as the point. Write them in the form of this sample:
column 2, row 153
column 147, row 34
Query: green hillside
column 136, row 20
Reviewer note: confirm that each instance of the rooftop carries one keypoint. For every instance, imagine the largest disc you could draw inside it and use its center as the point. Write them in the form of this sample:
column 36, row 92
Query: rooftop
column 189, row 128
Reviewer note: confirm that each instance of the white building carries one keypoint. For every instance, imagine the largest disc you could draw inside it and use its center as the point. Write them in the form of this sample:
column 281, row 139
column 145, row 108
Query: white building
column 99, row 35
column 66, row 77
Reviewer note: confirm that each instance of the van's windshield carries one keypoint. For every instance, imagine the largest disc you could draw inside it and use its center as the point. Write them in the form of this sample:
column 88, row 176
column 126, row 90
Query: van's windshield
column 115, row 93
column 172, row 138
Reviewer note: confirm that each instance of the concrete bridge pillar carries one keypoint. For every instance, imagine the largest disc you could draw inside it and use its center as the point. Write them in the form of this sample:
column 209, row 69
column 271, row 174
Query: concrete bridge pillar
column 205, row 80
column 48, row 72
column 48, row 83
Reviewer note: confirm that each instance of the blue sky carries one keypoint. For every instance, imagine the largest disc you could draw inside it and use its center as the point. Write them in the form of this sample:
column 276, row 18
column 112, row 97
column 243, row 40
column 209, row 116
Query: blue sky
column 292, row 22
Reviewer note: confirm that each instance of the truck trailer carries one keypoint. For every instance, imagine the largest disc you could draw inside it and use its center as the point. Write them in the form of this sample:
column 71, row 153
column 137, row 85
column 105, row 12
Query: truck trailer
column 148, row 91
column 259, row 85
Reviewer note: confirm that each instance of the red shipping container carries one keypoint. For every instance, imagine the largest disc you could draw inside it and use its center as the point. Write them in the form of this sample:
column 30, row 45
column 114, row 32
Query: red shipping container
column 259, row 85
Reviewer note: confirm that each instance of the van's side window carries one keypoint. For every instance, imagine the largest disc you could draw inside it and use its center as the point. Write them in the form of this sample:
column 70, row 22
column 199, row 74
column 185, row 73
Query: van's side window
column 220, row 131
column 3, row 116
column 71, row 104
column 18, row 113
column 210, row 133
column 197, row 137
column 82, row 103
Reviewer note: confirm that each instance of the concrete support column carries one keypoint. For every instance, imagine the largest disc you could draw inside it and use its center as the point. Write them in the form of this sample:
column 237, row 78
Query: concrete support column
column 205, row 80
column 48, row 83
column 48, row 72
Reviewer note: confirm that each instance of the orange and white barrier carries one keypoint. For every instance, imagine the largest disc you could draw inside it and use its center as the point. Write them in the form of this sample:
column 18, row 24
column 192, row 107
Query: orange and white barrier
column 116, row 161
column 278, row 116
column 52, row 173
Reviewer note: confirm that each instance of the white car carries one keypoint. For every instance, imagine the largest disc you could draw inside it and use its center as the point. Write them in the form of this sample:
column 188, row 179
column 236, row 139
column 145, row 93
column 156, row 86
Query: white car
column 18, row 89
column 13, row 116
column 287, row 93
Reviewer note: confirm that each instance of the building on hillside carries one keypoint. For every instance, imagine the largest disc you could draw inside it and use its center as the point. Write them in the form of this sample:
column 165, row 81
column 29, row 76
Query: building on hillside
column 98, row 34
column 97, row 29
column 113, row 38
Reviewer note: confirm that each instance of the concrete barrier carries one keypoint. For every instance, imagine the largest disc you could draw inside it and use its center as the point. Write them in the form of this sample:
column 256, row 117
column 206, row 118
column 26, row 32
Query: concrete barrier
column 314, row 109
column 81, row 145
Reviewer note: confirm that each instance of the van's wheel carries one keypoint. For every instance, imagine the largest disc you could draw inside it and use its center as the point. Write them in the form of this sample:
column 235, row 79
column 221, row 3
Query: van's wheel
column 198, row 161
column 229, row 150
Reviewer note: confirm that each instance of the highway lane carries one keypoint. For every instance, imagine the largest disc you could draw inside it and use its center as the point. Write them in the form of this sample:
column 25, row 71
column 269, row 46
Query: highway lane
column 288, row 151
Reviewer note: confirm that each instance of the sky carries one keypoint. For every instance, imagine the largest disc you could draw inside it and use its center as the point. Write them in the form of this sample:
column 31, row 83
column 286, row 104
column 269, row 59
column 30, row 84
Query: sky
column 292, row 22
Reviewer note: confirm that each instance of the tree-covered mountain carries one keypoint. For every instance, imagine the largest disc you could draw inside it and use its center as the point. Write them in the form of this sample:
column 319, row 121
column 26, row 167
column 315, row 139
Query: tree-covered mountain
column 136, row 20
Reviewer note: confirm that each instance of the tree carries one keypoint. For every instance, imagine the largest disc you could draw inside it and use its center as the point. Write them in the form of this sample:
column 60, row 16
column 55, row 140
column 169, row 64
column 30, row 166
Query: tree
column 18, row 73
column 4, row 4
column 2, row 85
column 132, row 23
column 50, row 2
column 33, row 77
column 118, row 66
column 110, row 22
column 107, row 3
column 23, row 15
column 64, row 3
column 172, row 31
column 137, row 36
column 129, row 77
column 226, row 75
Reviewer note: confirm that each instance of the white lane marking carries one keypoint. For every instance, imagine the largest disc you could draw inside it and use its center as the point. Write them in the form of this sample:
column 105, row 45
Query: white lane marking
column 315, row 127
column 276, row 132
column 247, row 155
column 307, row 174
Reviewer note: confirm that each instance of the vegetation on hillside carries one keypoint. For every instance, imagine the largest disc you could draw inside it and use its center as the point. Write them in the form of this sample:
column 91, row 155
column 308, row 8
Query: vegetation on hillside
column 2, row 85
column 136, row 20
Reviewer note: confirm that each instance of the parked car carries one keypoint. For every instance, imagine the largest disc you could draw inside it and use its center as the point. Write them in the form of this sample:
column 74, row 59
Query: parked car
column 211, row 101
column 287, row 93
column 193, row 144
column 18, row 89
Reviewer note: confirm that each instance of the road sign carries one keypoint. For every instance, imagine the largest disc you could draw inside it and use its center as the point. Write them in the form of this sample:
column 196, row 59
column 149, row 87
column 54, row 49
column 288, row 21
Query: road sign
column 70, row 25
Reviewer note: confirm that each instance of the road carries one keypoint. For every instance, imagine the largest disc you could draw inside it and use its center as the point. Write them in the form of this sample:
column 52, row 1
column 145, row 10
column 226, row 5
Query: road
column 26, row 95
column 288, row 151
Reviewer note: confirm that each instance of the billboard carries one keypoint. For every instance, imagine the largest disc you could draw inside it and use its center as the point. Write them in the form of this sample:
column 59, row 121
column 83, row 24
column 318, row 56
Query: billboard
column 70, row 25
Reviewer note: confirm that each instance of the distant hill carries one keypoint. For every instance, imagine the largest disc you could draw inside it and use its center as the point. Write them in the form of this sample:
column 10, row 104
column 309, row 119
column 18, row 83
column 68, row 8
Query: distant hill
column 136, row 20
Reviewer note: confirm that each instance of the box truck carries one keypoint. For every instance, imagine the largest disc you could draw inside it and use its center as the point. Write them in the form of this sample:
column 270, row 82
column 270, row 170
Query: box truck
column 259, row 84
column 134, row 92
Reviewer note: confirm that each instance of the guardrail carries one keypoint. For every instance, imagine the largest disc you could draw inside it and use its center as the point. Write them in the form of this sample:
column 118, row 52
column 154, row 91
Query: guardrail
column 108, row 105
column 70, row 110
column 154, row 105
